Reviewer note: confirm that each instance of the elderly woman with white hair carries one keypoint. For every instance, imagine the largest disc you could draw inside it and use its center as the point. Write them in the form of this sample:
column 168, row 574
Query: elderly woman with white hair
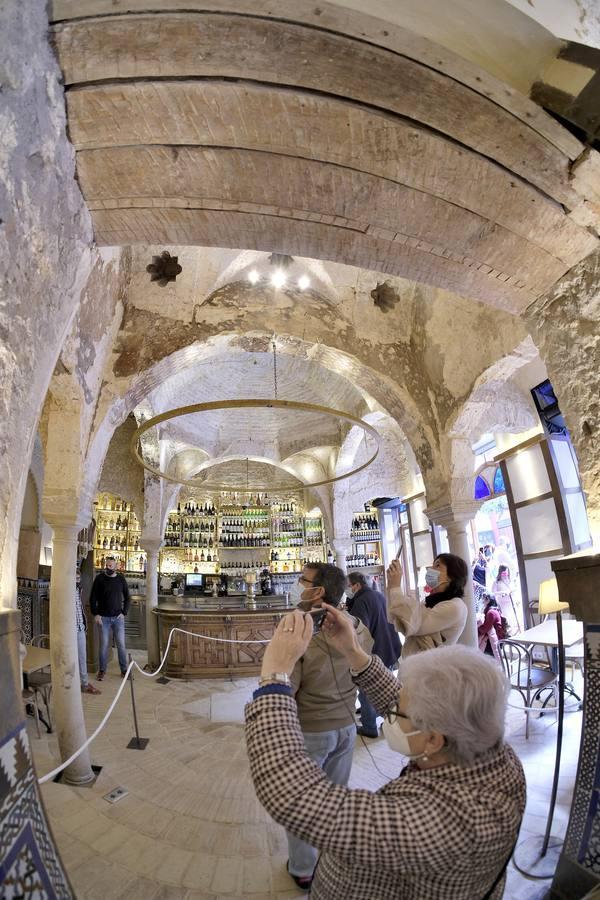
column 444, row 829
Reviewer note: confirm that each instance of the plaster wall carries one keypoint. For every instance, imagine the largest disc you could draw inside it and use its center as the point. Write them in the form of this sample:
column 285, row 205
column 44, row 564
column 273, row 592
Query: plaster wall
column 45, row 255
column 120, row 474
column 413, row 361
column 565, row 325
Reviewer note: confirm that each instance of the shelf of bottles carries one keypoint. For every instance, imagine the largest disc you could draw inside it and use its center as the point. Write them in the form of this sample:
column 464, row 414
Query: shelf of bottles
column 203, row 537
column 118, row 534
column 366, row 542
column 287, row 538
column 191, row 539
column 244, row 539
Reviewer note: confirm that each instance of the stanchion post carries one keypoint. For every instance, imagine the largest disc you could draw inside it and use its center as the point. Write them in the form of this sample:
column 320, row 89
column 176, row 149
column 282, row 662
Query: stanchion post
column 136, row 743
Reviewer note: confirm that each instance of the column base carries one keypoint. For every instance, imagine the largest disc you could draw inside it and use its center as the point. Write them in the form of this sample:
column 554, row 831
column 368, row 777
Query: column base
column 75, row 780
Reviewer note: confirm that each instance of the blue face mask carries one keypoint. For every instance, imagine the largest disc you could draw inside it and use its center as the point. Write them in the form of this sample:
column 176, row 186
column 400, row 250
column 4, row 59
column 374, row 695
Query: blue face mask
column 432, row 578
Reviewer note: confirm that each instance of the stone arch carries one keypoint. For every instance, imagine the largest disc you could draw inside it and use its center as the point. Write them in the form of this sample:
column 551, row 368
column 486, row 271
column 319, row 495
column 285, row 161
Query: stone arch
column 390, row 474
column 392, row 397
column 285, row 175
column 493, row 405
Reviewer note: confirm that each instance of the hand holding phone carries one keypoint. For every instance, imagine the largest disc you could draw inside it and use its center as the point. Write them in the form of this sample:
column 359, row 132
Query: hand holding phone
column 318, row 617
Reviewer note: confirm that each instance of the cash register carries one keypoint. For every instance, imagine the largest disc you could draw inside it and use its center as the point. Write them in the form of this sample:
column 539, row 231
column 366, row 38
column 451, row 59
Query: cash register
column 195, row 584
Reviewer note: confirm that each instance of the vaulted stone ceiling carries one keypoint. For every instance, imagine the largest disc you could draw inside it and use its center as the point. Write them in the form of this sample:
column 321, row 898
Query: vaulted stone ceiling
column 323, row 133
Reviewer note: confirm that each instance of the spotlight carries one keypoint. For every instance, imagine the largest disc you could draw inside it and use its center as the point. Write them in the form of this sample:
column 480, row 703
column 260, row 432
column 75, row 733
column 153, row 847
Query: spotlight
column 278, row 278
column 253, row 276
column 303, row 282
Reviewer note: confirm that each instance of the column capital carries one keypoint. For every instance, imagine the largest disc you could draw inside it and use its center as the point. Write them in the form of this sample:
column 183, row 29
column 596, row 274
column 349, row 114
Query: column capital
column 456, row 515
column 64, row 528
column 151, row 545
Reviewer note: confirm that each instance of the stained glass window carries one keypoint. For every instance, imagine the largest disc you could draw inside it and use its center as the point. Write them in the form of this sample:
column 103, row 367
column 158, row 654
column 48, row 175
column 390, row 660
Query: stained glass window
column 499, row 482
column 482, row 488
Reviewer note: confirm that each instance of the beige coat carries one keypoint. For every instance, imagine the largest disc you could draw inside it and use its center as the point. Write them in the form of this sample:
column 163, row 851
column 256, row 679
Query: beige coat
column 323, row 687
column 422, row 627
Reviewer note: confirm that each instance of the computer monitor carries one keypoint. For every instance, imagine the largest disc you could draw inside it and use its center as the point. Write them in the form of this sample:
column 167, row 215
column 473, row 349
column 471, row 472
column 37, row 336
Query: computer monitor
column 195, row 581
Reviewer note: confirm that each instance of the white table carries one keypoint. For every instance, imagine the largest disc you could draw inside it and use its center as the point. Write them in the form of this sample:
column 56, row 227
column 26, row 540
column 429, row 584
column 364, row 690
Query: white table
column 546, row 633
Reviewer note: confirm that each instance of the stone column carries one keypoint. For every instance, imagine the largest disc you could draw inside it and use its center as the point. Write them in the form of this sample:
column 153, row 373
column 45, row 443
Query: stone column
column 342, row 548
column 456, row 522
column 578, row 869
column 66, row 692
column 152, row 547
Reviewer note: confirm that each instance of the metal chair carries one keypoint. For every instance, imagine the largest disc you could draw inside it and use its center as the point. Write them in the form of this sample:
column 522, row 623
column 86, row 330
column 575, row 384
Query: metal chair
column 525, row 677
column 41, row 682
column 30, row 698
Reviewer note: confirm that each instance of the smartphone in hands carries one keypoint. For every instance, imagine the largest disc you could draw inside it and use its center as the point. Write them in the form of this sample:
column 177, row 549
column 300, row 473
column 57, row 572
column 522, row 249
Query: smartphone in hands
column 318, row 617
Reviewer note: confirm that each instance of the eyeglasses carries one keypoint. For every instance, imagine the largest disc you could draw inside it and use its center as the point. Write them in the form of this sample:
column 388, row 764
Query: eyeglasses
column 394, row 713
column 304, row 580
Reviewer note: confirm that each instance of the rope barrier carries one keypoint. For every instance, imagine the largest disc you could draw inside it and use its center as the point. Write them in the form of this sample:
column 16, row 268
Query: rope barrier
column 50, row 775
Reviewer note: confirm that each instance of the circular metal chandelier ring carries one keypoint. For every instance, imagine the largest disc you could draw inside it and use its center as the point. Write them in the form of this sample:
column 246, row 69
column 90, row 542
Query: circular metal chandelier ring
column 250, row 404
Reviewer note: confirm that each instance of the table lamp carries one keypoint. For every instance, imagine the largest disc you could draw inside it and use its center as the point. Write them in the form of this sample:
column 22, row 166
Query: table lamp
column 539, row 860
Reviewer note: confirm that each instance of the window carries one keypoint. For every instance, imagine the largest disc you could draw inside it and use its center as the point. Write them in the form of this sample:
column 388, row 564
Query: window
column 482, row 488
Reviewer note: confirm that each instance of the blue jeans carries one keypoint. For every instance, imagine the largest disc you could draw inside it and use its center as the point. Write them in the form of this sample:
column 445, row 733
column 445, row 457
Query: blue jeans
column 116, row 624
column 82, row 656
column 368, row 716
column 332, row 751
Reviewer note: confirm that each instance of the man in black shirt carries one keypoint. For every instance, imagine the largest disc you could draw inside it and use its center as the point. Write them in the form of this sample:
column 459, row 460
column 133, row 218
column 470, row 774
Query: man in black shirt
column 370, row 607
column 109, row 602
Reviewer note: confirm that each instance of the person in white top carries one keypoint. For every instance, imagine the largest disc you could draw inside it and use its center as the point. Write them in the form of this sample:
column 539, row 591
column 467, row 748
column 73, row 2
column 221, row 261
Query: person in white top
column 440, row 618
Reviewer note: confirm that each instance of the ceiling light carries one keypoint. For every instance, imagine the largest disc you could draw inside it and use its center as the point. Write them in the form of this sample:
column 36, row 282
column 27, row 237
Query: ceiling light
column 253, row 276
column 278, row 278
column 303, row 282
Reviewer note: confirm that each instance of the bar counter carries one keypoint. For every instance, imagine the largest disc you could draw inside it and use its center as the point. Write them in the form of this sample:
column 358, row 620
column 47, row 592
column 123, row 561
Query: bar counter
column 228, row 618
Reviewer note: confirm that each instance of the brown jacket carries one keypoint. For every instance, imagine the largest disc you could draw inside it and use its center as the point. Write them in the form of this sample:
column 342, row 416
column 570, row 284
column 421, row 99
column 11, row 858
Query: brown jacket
column 324, row 690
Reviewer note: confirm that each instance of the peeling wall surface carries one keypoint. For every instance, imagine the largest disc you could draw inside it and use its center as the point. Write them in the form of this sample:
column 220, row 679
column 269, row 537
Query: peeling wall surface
column 566, row 327
column 45, row 257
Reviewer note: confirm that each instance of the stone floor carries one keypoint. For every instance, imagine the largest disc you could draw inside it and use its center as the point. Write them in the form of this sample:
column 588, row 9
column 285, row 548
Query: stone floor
column 190, row 826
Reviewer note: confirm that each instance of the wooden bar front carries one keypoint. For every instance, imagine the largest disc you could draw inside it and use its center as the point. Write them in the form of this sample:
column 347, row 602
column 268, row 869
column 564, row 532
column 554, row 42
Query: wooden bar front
column 195, row 657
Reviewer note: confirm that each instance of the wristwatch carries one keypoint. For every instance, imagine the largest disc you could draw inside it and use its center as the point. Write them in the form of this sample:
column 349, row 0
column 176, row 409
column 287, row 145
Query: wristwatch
column 275, row 678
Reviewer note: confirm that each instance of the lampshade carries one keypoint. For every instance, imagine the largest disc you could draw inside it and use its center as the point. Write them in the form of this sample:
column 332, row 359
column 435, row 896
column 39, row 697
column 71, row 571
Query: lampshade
column 549, row 601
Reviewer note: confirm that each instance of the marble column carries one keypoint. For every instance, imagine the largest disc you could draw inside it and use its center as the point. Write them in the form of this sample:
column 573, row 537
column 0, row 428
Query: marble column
column 66, row 689
column 456, row 523
column 152, row 548
column 578, row 869
column 343, row 548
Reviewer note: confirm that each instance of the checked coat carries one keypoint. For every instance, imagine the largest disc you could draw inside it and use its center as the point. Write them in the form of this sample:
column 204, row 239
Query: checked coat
column 429, row 834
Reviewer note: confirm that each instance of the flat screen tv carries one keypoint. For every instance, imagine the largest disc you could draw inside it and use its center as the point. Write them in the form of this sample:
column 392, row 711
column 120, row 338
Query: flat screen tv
column 546, row 403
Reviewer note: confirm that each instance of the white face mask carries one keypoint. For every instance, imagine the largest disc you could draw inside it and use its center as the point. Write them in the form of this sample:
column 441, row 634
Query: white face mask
column 295, row 593
column 398, row 739
column 432, row 578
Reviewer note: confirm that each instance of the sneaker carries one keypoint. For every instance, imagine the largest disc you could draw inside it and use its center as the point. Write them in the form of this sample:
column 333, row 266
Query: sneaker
column 90, row 689
column 123, row 674
column 303, row 883
column 100, row 676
